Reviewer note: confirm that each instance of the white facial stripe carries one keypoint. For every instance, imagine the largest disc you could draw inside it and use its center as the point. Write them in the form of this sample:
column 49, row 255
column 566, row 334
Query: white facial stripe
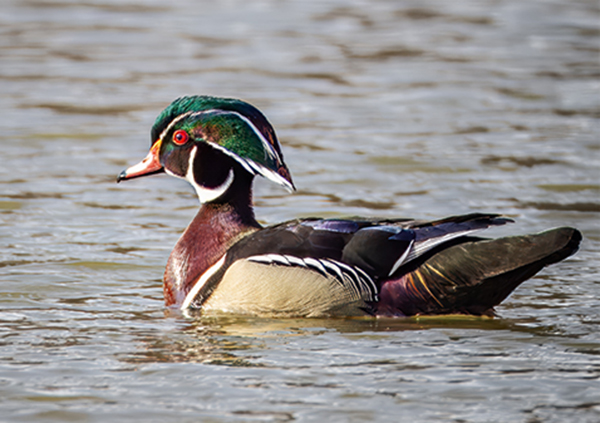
column 268, row 147
column 253, row 168
column 270, row 150
column 275, row 177
column 249, row 165
column 173, row 122
column 201, row 282
column 206, row 195
column 267, row 173
column 246, row 164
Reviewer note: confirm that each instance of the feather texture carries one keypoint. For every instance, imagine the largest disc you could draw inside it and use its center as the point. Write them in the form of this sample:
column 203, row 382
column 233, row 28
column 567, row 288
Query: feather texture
column 313, row 267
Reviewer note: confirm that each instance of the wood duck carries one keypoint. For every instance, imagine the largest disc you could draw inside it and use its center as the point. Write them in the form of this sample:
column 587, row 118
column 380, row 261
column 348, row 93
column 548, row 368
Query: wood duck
column 226, row 261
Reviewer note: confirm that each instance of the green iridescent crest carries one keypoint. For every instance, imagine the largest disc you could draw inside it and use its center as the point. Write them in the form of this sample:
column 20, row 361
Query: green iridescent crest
column 232, row 126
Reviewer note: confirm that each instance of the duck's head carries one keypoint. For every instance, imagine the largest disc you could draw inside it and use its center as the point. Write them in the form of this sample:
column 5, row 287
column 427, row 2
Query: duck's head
column 212, row 142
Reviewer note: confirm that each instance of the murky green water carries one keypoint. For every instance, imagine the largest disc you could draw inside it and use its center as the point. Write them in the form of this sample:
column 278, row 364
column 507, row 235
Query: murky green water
column 414, row 108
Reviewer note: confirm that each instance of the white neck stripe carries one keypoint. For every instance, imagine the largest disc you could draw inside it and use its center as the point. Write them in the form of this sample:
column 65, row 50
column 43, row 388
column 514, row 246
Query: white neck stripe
column 206, row 195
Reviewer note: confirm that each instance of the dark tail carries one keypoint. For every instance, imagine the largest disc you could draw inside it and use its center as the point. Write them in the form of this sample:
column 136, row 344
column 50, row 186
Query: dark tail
column 474, row 276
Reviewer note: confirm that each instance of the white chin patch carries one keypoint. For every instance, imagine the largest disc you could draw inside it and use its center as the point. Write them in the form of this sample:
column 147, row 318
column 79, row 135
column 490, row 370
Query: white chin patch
column 206, row 195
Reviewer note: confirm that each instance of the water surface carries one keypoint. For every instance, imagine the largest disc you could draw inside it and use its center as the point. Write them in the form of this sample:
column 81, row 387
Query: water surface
column 414, row 109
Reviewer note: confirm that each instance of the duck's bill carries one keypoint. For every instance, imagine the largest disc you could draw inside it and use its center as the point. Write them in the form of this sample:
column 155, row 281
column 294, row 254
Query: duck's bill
column 149, row 166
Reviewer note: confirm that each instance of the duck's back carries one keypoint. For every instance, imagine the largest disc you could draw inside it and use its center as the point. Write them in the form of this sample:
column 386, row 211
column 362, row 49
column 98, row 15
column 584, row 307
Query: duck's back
column 318, row 267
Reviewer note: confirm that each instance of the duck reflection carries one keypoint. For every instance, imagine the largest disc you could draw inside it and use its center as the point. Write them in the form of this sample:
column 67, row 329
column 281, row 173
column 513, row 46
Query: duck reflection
column 241, row 341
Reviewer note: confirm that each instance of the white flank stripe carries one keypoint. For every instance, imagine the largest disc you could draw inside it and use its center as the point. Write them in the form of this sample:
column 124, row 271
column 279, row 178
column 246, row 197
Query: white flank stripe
column 348, row 269
column 278, row 258
column 316, row 264
column 353, row 284
column 362, row 273
column 349, row 277
column 260, row 259
column 366, row 277
column 270, row 259
column 331, row 265
column 295, row 261
column 201, row 282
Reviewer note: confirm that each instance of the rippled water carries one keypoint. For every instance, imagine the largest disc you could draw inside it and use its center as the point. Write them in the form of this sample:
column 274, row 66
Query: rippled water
column 414, row 108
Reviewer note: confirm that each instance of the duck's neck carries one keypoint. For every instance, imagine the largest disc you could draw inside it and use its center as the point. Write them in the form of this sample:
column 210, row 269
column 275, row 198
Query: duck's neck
column 216, row 227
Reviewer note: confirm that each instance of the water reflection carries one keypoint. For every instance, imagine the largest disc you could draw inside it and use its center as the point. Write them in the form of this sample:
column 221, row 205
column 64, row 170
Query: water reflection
column 239, row 341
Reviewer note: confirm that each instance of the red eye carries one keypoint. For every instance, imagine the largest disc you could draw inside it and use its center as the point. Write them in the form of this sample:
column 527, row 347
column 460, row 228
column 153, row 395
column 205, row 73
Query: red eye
column 180, row 137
